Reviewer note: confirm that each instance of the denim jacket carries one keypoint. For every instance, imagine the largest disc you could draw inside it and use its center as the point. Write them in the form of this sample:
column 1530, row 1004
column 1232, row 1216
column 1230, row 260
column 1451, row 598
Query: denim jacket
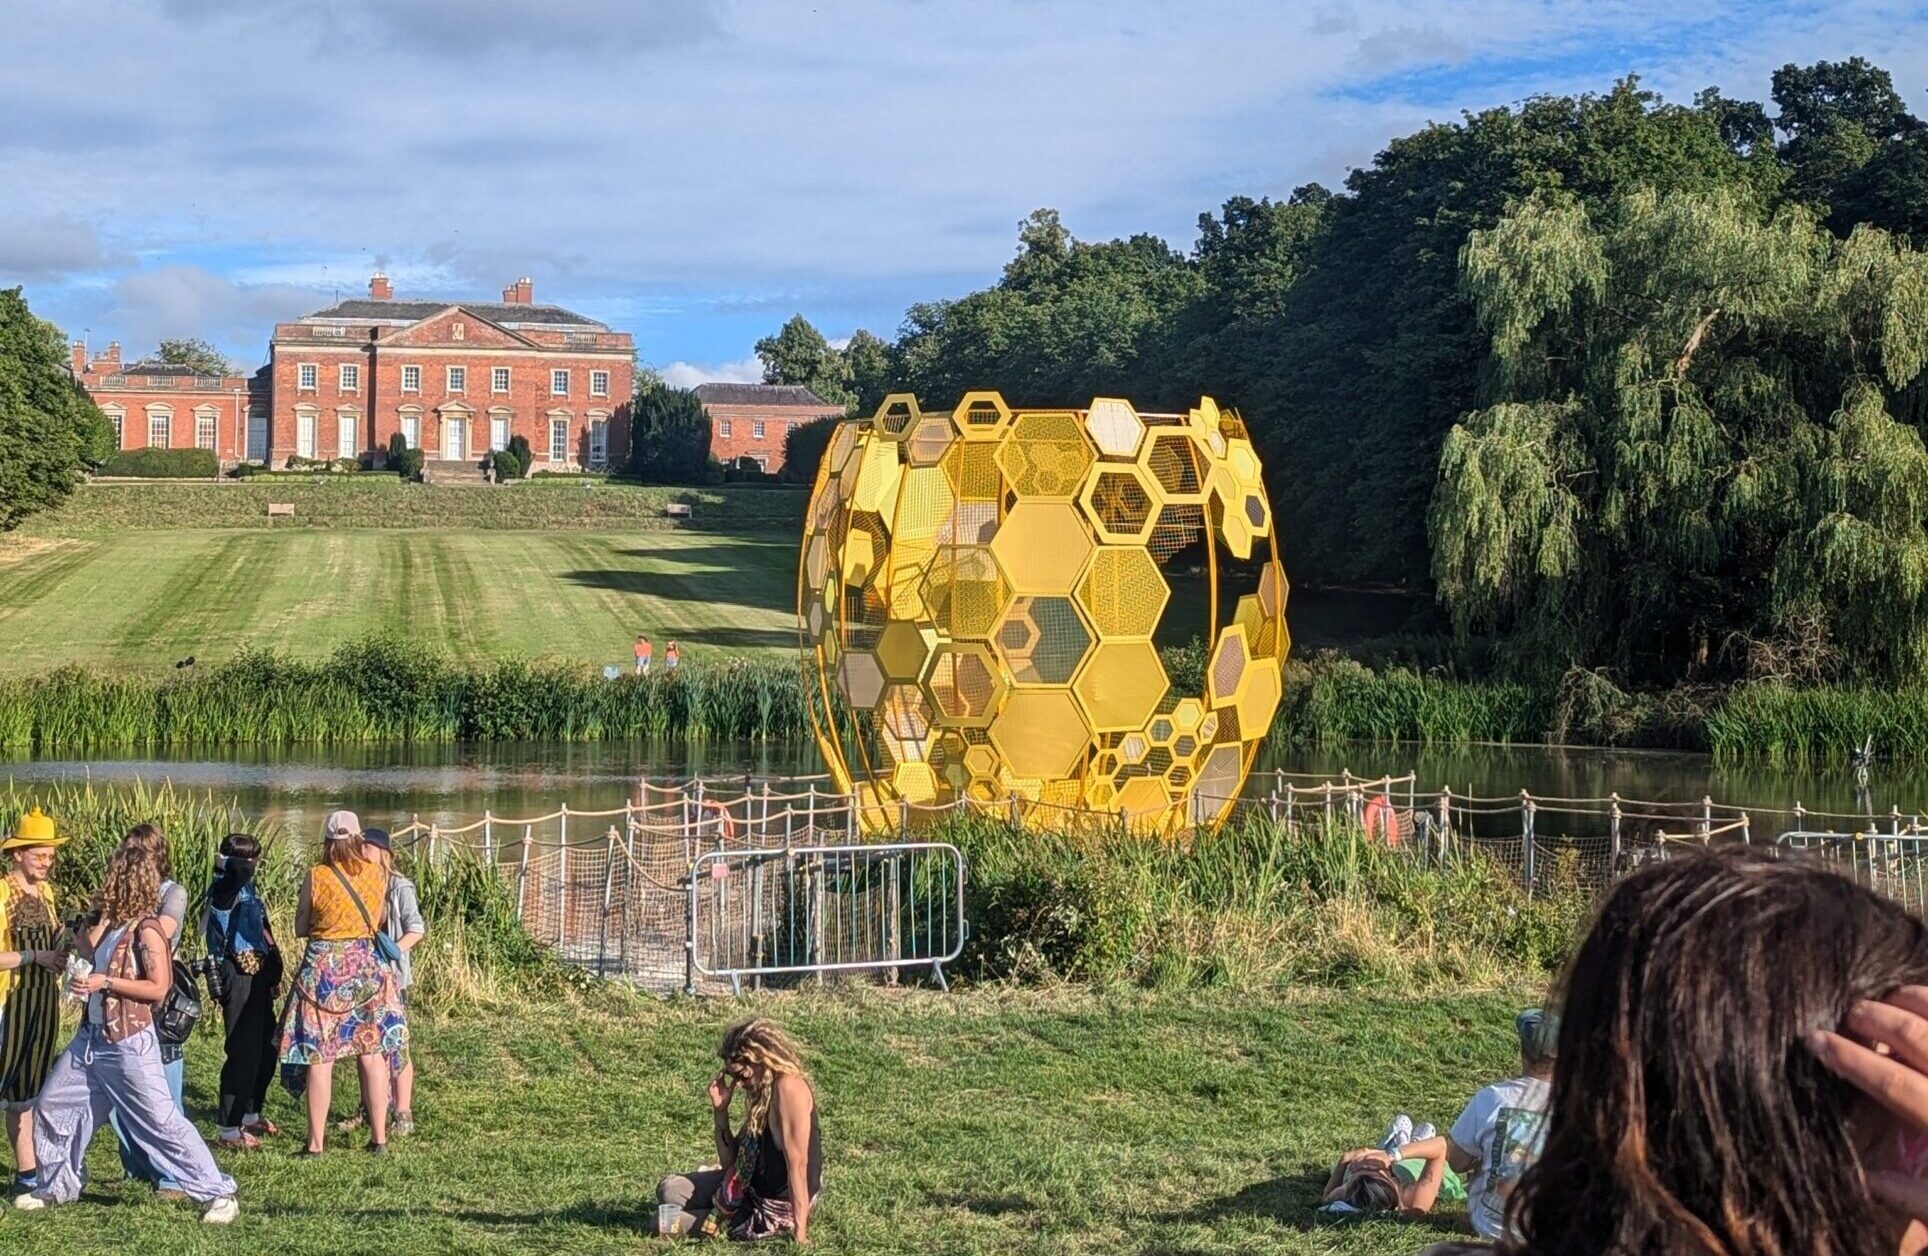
column 246, row 921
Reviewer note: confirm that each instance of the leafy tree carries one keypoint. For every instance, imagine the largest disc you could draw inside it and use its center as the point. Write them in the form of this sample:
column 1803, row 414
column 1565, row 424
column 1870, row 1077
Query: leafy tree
column 798, row 354
column 525, row 457
column 196, row 353
column 803, row 447
column 1685, row 440
column 669, row 439
column 871, row 370
column 50, row 430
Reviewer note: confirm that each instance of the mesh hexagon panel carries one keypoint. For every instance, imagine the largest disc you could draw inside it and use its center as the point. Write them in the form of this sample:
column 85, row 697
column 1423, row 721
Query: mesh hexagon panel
column 982, row 594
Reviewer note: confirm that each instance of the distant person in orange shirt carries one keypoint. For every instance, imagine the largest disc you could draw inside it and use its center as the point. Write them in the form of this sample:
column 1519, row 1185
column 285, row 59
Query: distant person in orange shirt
column 672, row 658
column 644, row 652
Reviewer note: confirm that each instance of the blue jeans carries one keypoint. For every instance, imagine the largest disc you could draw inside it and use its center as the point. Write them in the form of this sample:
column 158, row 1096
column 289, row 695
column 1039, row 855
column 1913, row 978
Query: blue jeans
column 134, row 1161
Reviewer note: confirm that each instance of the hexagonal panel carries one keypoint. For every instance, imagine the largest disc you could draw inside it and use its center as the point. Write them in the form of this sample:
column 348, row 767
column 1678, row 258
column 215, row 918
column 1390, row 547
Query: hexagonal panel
column 1119, row 505
column 1133, row 747
column 924, row 503
column 1227, row 669
column 1042, row 640
column 1215, row 787
column 1258, row 695
column 877, row 478
column 965, row 685
column 1206, row 422
column 915, row 783
column 896, row 418
column 969, row 523
column 863, row 680
column 1046, row 454
column 903, row 647
column 1122, row 685
column 1123, row 592
column 981, row 416
column 906, row 717
column 1115, row 427
column 930, row 440
column 1041, row 733
column 1042, row 546
column 964, row 592
column 974, row 472
column 1176, row 464
column 1142, row 798
column 1272, row 590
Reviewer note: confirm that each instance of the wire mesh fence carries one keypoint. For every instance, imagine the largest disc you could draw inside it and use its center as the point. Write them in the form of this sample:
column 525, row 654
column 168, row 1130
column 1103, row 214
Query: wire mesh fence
column 702, row 884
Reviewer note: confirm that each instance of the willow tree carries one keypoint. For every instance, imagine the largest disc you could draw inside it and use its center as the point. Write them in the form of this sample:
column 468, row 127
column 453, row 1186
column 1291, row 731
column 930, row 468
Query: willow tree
column 1687, row 441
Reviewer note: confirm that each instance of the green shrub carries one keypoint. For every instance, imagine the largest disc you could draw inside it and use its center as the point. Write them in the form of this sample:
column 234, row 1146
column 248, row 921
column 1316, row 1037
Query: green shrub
column 403, row 461
column 803, row 448
column 525, row 457
column 162, row 464
column 505, row 466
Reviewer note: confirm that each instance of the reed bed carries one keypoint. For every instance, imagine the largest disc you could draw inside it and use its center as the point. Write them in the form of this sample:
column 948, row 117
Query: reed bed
column 387, row 690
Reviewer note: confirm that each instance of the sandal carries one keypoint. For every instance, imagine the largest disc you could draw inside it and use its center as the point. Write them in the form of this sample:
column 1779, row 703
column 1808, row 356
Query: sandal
column 402, row 1124
column 307, row 1153
column 349, row 1124
column 264, row 1128
column 243, row 1141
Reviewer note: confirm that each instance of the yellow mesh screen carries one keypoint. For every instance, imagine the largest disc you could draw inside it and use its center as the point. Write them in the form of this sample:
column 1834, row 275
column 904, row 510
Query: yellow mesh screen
column 1177, row 528
column 974, row 472
column 1174, row 460
column 1121, row 503
column 1123, row 592
column 1044, row 640
column 1047, row 454
column 1228, row 667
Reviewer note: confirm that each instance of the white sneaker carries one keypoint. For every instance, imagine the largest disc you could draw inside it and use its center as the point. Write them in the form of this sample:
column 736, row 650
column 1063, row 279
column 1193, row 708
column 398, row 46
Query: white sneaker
column 29, row 1202
column 222, row 1211
column 1398, row 1134
column 1425, row 1131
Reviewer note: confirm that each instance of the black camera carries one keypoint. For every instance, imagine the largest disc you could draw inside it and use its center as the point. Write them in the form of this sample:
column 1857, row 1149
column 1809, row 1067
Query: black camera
column 211, row 970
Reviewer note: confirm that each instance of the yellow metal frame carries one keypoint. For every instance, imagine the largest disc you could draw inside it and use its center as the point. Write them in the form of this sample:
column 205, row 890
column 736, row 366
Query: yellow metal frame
column 976, row 610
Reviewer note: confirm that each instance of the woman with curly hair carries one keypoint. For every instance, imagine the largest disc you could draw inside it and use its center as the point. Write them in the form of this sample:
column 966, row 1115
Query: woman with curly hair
column 344, row 1001
column 113, row 1063
column 1691, row 1111
column 754, row 1193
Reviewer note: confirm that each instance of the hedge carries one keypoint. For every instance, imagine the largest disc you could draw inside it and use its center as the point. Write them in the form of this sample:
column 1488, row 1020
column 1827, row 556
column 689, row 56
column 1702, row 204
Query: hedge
column 163, row 464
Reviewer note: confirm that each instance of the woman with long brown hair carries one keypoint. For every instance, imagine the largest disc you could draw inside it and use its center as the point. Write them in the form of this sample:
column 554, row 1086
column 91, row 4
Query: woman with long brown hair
column 114, row 1061
column 754, row 1192
column 1688, row 1113
column 344, row 1001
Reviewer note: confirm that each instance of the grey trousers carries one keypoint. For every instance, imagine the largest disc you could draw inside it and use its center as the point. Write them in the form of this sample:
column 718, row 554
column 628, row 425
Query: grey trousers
column 93, row 1077
column 690, row 1195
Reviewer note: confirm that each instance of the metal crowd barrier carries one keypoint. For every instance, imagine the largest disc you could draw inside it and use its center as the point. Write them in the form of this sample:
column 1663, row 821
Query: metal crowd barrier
column 812, row 910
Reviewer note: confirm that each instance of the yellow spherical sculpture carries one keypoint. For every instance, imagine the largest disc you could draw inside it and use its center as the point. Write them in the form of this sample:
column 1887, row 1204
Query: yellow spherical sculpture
column 981, row 589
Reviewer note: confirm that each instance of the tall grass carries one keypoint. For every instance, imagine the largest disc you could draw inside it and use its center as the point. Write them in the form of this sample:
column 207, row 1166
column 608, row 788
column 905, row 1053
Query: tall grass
column 1253, row 905
column 1780, row 722
column 1337, row 699
column 387, row 690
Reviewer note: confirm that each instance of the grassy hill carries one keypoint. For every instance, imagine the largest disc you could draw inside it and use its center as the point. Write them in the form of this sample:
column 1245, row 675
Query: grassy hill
column 1056, row 1122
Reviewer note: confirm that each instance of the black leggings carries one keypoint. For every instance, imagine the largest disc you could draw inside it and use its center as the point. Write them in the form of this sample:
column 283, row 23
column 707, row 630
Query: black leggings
column 252, row 1046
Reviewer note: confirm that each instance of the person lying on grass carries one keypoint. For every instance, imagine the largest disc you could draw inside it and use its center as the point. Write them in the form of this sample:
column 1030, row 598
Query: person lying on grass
column 1407, row 1172
column 752, row 1194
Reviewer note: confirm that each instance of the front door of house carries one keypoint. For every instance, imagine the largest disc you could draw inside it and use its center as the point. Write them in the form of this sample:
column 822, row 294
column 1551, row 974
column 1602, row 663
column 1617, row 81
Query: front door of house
column 455, row 443
column 347, row 437
column 305, row 436
column 257, row 438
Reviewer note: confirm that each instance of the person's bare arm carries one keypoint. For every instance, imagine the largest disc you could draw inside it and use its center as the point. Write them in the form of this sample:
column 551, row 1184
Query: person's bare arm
column 722, row 1088
column 304, row 910
column 791, row 1109
column 1346, row 1161
column 1424, row 1193
column 154, row 961
column 1459, row 1158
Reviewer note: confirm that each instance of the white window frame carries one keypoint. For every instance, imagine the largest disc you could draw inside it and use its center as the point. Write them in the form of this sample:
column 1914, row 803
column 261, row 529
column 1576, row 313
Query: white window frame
column 507, row 420
column 411, row 379
column 455, row 373
column 348, row 377
column 723, row 428
column 598, row 440
column 762, row 463
column 599, row 383
column 411, row 428
column 308, row 376
column 351, row 420
column 756, row 429
column 313, row 417
column 557, row 424
column 558, row 376
column 164, row 415
column 499, row 379
column 117, row 417
column 207, row 428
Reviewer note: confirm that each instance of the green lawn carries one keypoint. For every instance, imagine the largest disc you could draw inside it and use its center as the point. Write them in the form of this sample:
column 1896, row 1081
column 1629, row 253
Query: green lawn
column 144, row 598
column 988, row 1121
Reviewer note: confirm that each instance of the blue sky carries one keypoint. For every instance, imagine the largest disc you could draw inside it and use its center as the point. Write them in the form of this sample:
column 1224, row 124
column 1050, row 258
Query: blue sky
column 696, row 172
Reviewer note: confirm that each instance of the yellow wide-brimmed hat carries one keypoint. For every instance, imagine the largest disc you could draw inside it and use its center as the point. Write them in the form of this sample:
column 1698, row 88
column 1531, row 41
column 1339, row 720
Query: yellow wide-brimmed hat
column 36, row 828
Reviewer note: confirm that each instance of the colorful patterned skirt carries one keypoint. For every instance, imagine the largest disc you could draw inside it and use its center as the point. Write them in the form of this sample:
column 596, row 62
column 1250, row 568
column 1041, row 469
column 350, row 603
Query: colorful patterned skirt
column 344, row 1004
column 30, row 1023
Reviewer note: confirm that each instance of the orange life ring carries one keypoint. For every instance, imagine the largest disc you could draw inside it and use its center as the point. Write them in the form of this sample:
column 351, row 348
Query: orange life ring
column 1381, row 820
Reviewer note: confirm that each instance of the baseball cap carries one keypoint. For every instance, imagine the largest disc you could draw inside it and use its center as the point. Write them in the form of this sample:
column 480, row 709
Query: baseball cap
column 1539, row 1032
column 378, row 838
column 341, row 824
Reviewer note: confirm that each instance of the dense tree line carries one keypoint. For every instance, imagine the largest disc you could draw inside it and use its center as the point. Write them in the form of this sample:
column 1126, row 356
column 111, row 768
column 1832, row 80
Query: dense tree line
column 50, row 431
column 1356, row 329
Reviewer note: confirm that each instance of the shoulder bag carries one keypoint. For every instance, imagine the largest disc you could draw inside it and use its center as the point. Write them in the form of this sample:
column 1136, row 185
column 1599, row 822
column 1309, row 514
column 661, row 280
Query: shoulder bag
column 385, row 948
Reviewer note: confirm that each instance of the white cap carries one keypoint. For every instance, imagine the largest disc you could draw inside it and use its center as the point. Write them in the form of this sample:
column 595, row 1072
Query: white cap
column 340, row 824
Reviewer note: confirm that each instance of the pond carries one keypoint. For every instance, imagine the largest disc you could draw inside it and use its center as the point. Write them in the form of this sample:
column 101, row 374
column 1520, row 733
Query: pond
column 453, row 784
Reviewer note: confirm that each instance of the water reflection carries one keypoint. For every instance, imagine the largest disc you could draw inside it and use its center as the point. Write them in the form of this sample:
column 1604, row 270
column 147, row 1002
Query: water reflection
column 450, row 784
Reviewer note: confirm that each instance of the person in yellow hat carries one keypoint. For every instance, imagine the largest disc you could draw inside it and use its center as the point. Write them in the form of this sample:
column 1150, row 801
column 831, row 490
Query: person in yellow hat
column 33, row 952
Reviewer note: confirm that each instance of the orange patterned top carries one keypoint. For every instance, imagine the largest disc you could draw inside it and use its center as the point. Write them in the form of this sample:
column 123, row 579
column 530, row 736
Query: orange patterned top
column 334, row 917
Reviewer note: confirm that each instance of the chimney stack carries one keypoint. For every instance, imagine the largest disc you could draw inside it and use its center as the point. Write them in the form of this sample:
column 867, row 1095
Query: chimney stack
column 379, row 288
column 111, row 358
column 80, row 357
column 521, row 292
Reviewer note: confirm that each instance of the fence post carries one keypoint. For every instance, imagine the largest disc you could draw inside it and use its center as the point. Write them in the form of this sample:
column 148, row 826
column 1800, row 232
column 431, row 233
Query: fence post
column 1747, row 835
column 1800, row 816
column 562, row 881
column 1328, row 802
column 1273, row 804
column 903, row 817
column 1706, row 818
column 1445, row 821
column 1527, row 860
column 1014, row 808
column 432, row 829
column 609, row 878
column 1613, row 835
column 764, row 833
column 850, row 816
column 522, row 874
column 810, row 814
column 488, row 837
column 689, row 940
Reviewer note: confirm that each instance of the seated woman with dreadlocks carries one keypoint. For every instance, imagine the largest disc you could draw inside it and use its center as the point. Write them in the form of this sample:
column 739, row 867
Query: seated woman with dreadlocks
column 753, row 1193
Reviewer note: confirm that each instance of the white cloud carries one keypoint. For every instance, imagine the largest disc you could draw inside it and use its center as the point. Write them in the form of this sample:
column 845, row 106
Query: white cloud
column 34, row 247
column 148, row 306
column 689, row 374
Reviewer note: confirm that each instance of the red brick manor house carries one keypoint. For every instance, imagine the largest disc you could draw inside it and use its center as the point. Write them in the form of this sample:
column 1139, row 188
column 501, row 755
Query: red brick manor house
column 456, row 379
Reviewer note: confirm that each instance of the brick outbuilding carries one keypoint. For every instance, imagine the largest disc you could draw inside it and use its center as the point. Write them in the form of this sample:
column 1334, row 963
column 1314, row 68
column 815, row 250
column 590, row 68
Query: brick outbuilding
column 751, row 420
column 153, row 404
